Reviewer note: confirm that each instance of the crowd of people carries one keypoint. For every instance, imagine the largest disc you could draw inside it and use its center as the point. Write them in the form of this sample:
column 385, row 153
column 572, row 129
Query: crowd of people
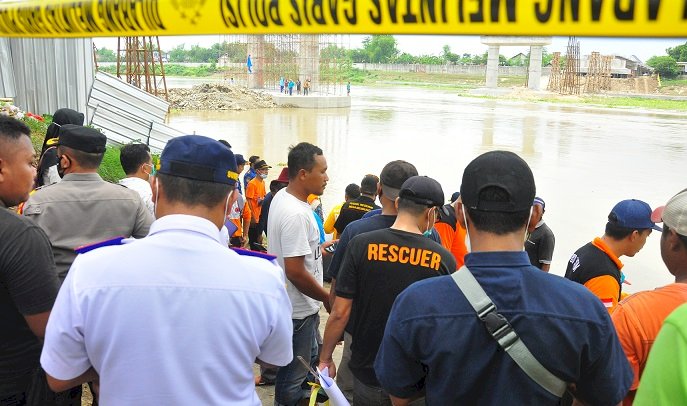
column 287, row 86
column 168, row 287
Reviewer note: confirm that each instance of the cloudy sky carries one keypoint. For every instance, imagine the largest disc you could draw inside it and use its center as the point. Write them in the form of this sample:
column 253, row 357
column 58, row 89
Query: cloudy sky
column 433, row 44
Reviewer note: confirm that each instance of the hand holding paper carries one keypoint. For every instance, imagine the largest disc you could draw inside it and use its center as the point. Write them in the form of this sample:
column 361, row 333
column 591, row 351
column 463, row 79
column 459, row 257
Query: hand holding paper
column 336, row 397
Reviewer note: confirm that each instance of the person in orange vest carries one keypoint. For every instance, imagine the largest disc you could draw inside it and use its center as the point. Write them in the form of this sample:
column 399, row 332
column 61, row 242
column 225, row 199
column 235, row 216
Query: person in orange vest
column 451, row 232
column 255, row 194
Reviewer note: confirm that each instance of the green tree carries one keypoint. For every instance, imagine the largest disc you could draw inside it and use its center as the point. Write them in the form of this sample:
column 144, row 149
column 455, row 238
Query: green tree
column 106, row 55
column 359, row 55
column 380, row 48
column 406, row 58
column 665, row 66
column 450, row 56
column 679, row 53
column 178, row 54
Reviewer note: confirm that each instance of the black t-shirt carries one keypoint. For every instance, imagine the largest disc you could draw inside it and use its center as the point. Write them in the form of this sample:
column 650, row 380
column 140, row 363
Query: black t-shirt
column 590, row 262
column 377, row 267
column 539, row 246
column 28, row 286
column 353, row 210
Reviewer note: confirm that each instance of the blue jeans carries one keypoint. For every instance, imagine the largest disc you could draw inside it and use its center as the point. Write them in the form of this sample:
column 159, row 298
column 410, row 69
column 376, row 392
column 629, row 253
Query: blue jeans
column 287, row 389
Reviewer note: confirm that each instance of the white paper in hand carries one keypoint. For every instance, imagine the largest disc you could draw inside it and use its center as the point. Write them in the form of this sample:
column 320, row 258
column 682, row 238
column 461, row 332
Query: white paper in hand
column 336, row 397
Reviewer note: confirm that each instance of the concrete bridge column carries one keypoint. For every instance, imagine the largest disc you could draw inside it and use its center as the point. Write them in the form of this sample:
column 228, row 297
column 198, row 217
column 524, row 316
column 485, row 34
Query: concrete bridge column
column 534, row 70
column 493, row 66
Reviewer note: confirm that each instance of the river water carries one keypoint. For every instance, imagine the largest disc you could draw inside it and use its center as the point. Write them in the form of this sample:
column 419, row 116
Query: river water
column 584, row 159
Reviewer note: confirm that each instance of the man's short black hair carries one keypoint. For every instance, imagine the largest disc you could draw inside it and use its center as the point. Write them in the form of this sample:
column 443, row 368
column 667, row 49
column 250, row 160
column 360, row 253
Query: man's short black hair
column 225, row 143
column 409, row 206
column 302, row 156
column 369, row 184
column 87, row 160
column 499, row 223
column 194, row 192
column 12, row 129
column 617, row 232
column 352, row 191
column 132, row 156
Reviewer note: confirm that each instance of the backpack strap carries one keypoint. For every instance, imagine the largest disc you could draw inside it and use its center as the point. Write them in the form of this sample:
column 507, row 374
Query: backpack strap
column 504, row 334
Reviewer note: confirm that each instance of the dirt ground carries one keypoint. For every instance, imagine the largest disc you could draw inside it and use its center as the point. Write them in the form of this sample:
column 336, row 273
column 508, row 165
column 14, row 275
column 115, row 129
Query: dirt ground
column 219, row 97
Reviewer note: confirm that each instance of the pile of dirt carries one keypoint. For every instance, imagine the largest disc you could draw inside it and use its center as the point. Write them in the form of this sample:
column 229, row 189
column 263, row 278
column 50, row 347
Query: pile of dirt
column 219, row 97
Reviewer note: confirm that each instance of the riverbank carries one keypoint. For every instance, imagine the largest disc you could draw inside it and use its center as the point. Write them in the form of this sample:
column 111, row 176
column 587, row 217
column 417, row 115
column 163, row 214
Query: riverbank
column 215, row 96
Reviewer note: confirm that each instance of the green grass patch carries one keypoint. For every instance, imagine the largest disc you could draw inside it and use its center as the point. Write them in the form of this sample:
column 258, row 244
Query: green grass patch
column 599, row 101
column 175, row 70
column 673, row 82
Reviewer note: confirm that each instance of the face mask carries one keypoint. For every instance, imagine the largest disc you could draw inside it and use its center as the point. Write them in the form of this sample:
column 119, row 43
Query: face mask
column 60, row 169
column 428, row 231
column 468, row 246
column 263, row 175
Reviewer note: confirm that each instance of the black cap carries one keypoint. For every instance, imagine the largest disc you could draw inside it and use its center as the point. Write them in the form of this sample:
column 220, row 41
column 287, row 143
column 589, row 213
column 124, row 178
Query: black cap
column 502, row 170
column 422, row 190
column 198, row 158
column 261, row 164
column 82, row 138
column 393, row 175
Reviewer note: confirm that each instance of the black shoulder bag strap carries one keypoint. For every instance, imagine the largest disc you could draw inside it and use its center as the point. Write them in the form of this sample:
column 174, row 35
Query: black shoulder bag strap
column 499, row 328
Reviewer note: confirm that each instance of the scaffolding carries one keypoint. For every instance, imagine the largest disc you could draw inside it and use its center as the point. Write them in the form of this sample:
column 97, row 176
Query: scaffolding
column 262, row 61
column 592, row 83
column 139, row 63
column 554, row 84
column 570, row 83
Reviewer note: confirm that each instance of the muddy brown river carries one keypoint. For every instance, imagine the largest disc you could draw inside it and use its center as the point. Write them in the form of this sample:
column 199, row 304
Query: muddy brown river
column 584, row 159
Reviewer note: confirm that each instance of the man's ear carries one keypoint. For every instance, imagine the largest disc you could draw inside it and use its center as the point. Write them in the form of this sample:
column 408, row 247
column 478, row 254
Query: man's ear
column 155, row 186
column 459, row 214
column 537, row 211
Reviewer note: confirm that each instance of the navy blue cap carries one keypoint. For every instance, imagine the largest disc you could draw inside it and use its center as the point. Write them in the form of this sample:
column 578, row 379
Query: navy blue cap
column 199, row 158
column 633, row 214
column 240, row 160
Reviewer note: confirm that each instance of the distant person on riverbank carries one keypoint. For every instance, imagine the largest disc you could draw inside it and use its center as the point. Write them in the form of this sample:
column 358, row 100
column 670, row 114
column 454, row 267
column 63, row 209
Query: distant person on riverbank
column 250, row 174
column 356, row 208
column 138, row 167
column 298, row 87
column 291, row 85
column 27, row 273
column 146, row 314
column 597, row 264
column 433, row 328
column 255, row 194
column 306, row 87
column 294, row 238
column 348, row 89
column 540, row 243
column 639, row 317
column 281, row 84
column 377, row 267
column 352, row 192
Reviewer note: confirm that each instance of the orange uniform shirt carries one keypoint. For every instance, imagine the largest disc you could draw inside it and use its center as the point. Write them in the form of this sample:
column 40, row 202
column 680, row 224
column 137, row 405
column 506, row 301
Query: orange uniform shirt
column 637, row 321
column 606, row 287
column 255, row 194
column 453, row 240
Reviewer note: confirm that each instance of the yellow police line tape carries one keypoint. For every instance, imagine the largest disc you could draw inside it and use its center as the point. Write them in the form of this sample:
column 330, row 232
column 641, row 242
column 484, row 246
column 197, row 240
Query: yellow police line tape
column 94, row 18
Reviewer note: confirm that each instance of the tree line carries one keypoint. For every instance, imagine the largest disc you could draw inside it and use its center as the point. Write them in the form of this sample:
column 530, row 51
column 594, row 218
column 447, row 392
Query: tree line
column 375, row 49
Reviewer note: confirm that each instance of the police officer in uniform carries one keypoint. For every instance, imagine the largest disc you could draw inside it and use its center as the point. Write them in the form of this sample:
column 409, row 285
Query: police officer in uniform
column 186, row 316
column 83, row 209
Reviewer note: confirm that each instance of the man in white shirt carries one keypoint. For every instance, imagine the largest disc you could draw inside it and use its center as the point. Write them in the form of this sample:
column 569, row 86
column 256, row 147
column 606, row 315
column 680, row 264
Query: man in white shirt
column 174, row 318
column 138, row 167
column 294, row 237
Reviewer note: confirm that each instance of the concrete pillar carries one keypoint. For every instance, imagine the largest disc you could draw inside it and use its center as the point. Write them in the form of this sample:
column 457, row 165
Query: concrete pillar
column 309, row 61
column 493, row 66
column 534, row 70
column 256, row 50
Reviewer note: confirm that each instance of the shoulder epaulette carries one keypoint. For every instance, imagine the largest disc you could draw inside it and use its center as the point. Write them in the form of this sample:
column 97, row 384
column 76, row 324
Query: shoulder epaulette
column 90, row 247
column 256, row 254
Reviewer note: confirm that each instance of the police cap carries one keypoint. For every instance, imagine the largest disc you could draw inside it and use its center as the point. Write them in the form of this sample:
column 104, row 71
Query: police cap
column 199, row 158
column 82, row 138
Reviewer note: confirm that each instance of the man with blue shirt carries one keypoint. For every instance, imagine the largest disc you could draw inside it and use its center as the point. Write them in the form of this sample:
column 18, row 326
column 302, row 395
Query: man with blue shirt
column 176, row 317
column 439, row 348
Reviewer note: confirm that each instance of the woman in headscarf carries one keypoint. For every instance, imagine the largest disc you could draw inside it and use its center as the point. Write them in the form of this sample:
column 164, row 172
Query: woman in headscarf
column 47, row 165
